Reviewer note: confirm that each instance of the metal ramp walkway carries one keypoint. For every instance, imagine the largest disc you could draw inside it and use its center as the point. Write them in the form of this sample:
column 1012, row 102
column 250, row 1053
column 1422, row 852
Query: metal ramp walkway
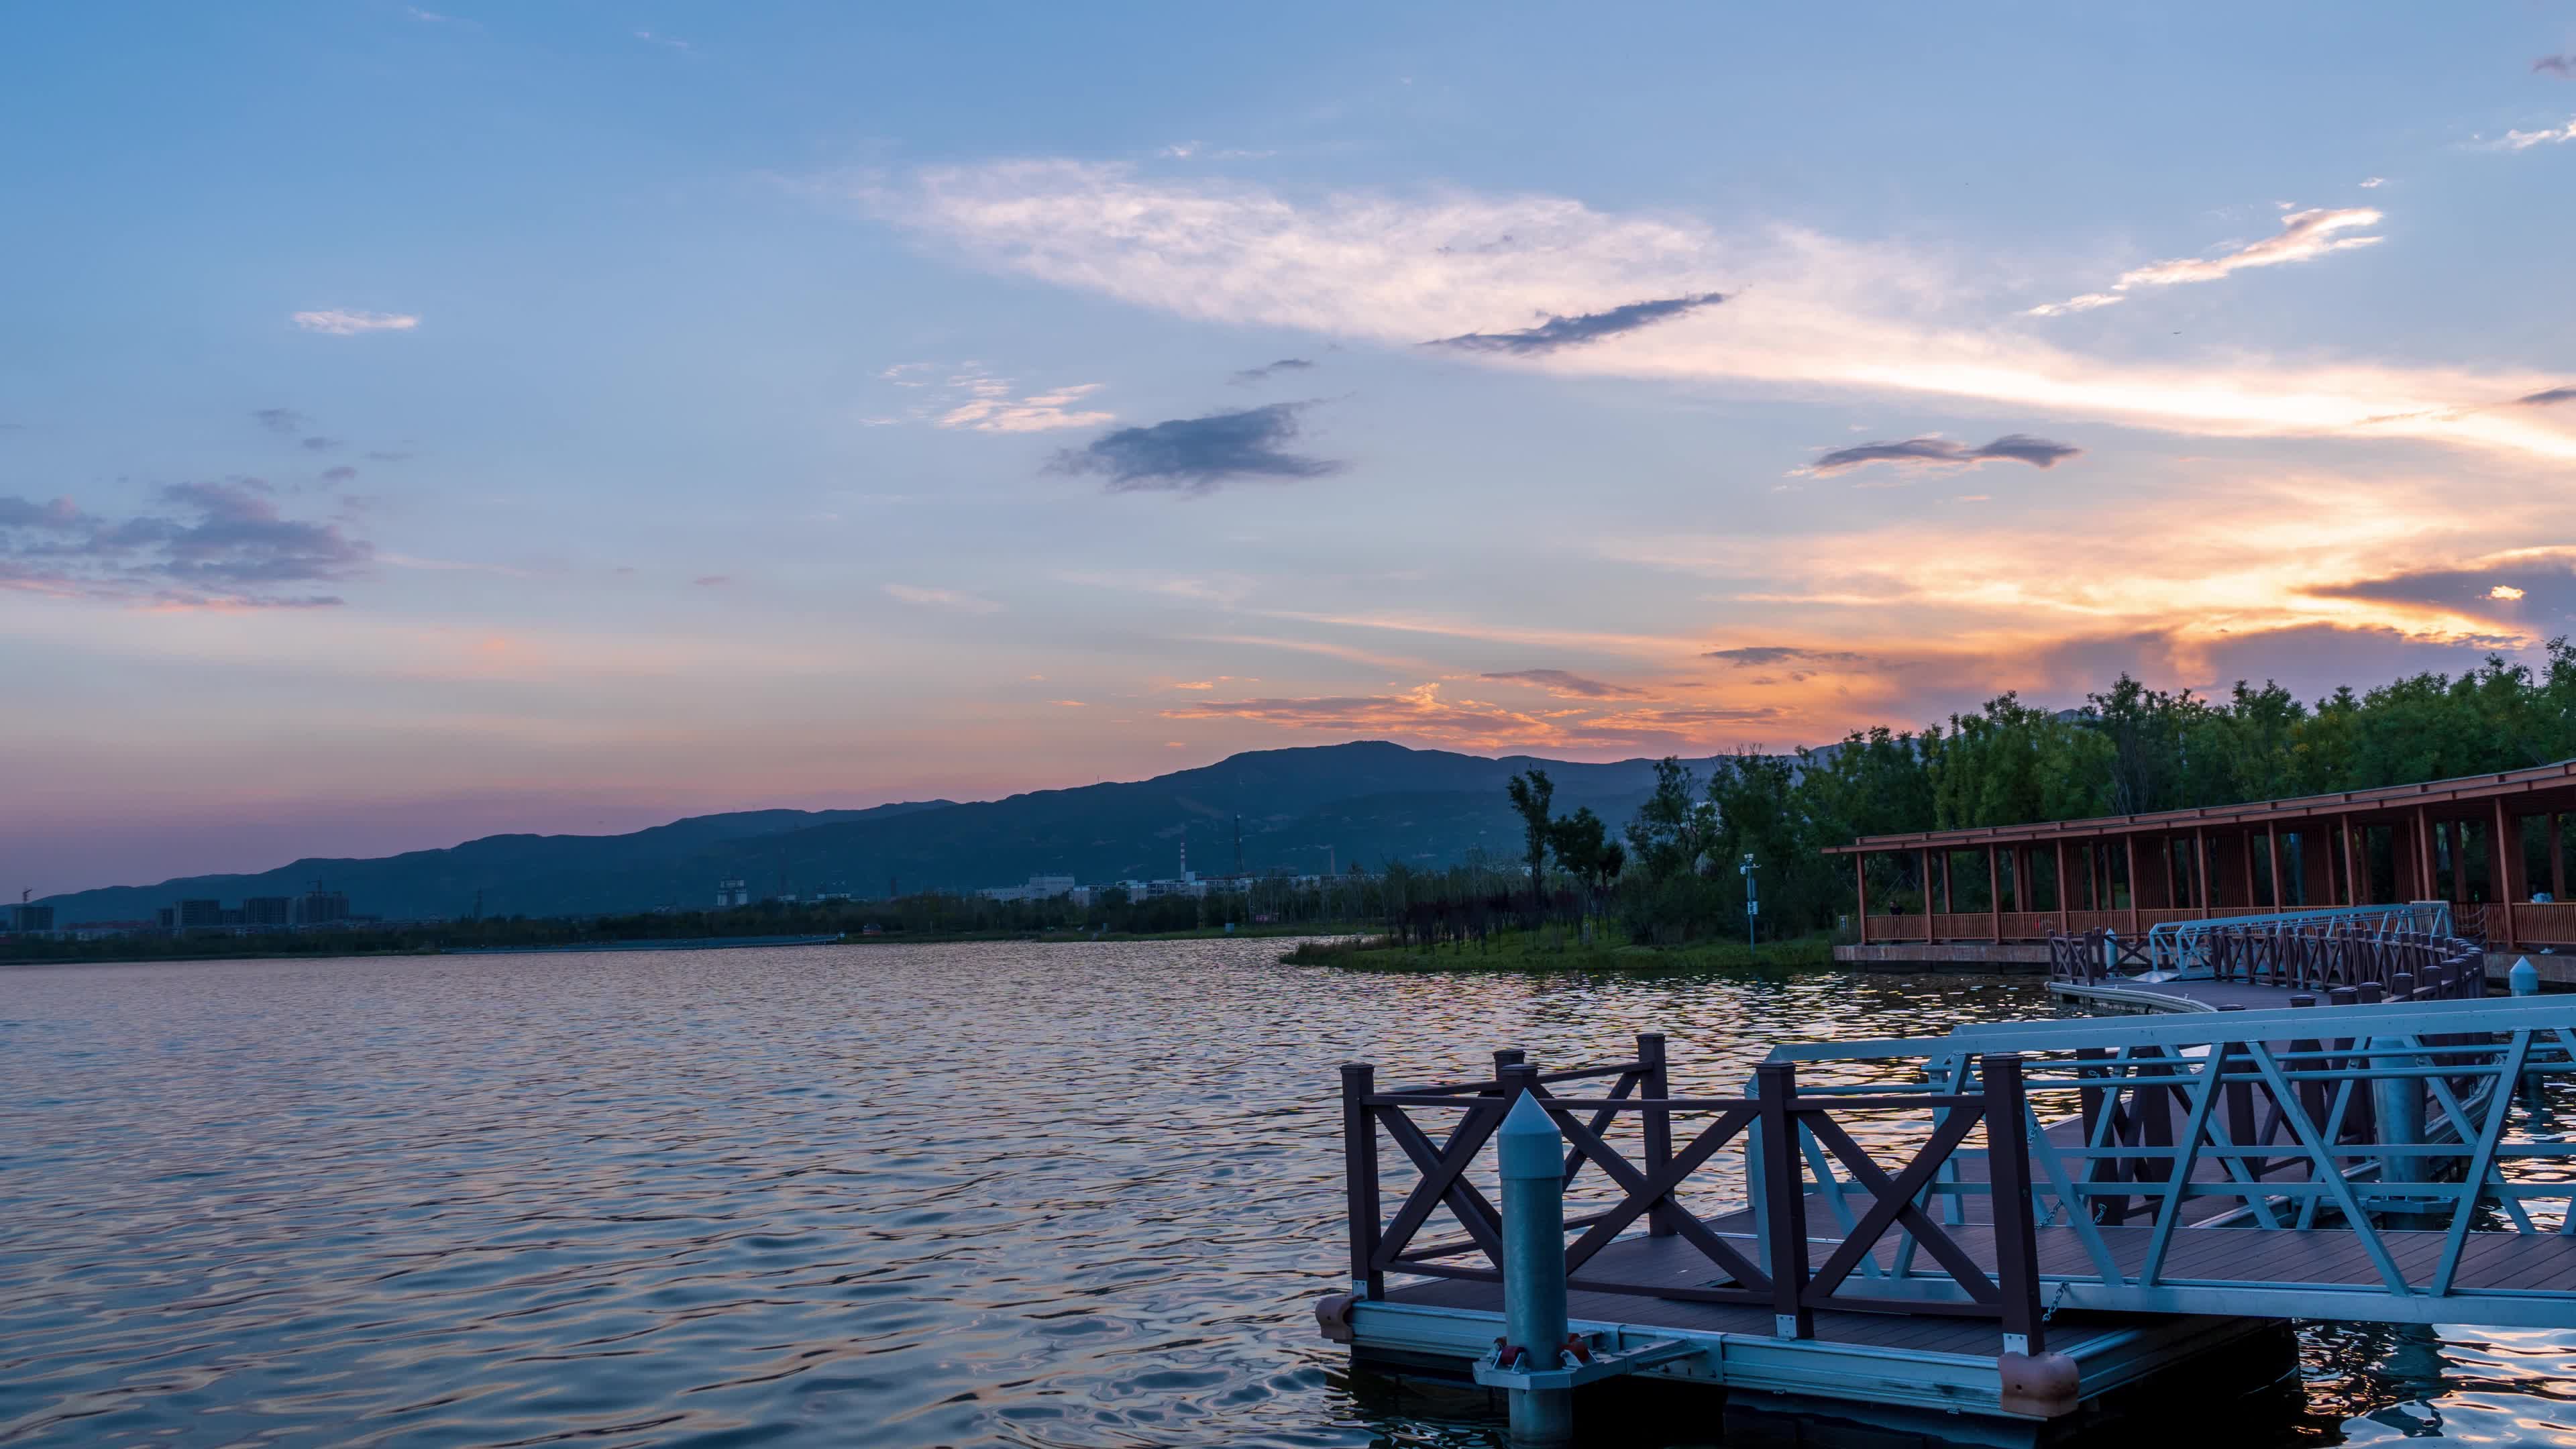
column 2395, row 1162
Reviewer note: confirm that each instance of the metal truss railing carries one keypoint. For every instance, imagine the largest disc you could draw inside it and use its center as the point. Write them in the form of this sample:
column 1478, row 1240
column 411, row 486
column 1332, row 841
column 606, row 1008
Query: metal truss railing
column 2394, row 1162
column 2182, row 949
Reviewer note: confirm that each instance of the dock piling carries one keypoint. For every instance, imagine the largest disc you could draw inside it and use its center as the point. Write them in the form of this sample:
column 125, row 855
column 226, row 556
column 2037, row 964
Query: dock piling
column 1534, row 1318
column 2397, row 1107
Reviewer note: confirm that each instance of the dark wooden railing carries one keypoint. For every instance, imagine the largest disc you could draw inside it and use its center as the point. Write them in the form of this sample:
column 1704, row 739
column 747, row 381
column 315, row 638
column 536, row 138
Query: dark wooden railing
column 1781, row 1120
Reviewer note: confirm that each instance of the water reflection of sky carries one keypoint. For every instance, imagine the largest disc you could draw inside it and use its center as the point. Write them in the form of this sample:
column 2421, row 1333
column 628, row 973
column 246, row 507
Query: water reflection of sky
column 1062, row 1195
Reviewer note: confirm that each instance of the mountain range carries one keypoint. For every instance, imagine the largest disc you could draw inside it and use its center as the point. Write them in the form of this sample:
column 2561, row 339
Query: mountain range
column 1302, row 810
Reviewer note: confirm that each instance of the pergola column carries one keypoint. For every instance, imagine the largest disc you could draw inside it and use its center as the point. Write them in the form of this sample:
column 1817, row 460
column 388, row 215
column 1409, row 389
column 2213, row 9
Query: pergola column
column 2426, row 887
column 2272, row 852
column 2505, row 865
column 1995, row 890
column 1860, row 890
column 2131, row 843
column 1927, row 895
column 2557, row 857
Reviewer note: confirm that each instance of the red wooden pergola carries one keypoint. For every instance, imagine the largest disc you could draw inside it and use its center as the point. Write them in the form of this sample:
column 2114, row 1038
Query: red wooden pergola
column 2434, row 841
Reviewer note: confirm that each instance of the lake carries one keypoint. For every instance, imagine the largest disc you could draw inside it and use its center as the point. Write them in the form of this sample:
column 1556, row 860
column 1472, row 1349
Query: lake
column 902, row 1196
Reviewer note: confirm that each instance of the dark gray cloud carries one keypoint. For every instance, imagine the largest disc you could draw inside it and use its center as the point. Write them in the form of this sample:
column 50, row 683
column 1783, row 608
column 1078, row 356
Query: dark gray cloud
column 1558, row 332
column 1264, row 372
column 279, row 420
column 2563, row 65
column 1947, row 453
column 1574, row 686
column 2547, row 396
column 2532, row 587
column 1765, row 655
column 321, row 444
column 218, row 544
column 342, row 474
column 1197, row 455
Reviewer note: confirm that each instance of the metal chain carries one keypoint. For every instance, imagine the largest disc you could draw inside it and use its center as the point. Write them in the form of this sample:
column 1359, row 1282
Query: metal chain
column 2051, row 1312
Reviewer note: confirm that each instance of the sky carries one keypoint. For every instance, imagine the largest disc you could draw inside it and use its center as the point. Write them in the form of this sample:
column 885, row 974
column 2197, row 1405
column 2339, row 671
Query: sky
column 418, row 423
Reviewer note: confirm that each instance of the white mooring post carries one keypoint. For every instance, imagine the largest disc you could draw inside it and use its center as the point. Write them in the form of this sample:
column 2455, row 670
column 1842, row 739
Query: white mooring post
column 1533, row 1178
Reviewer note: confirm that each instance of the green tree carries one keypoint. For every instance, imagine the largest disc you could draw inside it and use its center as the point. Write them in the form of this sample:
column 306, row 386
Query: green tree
column 1675, row 827
column 1532, row 793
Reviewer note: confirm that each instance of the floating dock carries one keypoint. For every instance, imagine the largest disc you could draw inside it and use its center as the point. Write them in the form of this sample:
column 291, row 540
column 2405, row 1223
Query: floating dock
column 2023, row 1224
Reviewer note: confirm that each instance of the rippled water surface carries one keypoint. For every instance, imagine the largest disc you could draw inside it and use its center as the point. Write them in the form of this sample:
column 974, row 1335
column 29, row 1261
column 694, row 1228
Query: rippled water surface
column 886, row 1195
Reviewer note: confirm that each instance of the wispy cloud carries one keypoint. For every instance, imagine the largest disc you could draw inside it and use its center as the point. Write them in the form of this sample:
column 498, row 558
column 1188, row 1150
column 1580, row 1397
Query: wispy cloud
column 1198, row 455
column 1565, row 685
column 665, row 41
column 279, row 420
column 1767, row 655
column 2562, row 66
column 1419, row 713
column 1803, row 310
column 1036, row 413
column 2373, row 183
column 1424, row 713
column 341, row 322
column 942, row 599
column 2547, row 396
column 215, row 545
column 2525, row 140
column 969, row 396
column 1268, row 370
column 1558, row 332
column 1947, row 453
column 2304, row 236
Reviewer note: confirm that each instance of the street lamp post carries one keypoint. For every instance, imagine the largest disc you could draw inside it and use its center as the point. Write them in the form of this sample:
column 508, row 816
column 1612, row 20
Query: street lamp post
column 1752, row 900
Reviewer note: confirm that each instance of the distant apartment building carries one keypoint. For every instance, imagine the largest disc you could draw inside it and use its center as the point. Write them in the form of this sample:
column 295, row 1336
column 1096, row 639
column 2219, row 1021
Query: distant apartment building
column 28, row 920
column 200, row 915
column 277, row 912
column 319, row 907
column 731, row 893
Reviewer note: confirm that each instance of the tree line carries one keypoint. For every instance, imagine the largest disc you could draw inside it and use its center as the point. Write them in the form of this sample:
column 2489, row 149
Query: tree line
column 1674, row 874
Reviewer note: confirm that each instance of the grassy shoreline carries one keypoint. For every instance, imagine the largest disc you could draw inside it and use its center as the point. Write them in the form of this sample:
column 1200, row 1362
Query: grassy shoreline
column 1552, row 949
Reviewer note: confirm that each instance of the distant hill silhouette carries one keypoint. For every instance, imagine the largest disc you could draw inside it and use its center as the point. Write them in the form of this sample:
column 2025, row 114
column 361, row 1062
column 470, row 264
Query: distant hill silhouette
column 1367, row 802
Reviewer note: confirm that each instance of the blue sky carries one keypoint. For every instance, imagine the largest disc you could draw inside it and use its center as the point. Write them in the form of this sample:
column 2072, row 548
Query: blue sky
column 417, row 422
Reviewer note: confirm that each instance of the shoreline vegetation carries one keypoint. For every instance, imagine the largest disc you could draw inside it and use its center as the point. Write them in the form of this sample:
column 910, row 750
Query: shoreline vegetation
column 1556, row 949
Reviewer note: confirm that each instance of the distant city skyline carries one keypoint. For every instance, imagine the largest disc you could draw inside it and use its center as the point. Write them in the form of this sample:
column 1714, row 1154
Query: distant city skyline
column 420, row 423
